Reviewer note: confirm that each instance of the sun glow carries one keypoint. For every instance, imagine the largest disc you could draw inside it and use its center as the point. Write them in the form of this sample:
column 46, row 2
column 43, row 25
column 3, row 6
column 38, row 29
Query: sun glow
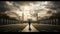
column 28, row 11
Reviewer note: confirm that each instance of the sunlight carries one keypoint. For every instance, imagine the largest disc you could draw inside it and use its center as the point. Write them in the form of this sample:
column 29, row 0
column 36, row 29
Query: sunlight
column 28, row 11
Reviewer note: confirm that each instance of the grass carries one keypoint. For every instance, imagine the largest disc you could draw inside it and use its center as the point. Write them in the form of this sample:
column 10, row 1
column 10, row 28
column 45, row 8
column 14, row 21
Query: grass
column 12, row 28
column 47, row 28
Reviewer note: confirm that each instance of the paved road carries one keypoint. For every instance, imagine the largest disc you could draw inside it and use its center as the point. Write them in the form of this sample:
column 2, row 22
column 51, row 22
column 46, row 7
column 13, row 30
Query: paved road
column 26, row 29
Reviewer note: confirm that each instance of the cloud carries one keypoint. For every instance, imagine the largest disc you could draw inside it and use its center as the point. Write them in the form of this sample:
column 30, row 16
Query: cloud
column 2, row 6
column 18, row 6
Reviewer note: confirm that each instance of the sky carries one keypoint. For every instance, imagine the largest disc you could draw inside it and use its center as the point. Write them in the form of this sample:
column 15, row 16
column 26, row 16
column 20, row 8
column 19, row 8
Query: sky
column 30, row 8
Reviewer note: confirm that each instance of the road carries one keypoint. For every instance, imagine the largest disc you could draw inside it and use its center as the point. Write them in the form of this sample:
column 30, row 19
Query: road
column 26, row 29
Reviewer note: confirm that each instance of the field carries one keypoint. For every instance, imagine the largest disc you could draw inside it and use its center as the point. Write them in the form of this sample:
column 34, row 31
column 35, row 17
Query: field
column 47, row 28
column 13, row 28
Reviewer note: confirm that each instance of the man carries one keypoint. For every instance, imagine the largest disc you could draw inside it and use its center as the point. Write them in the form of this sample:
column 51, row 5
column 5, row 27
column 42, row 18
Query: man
column 29, row 25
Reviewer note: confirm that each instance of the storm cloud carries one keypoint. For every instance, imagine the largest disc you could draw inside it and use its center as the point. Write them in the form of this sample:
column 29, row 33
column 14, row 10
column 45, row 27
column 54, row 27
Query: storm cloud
column 49, row 7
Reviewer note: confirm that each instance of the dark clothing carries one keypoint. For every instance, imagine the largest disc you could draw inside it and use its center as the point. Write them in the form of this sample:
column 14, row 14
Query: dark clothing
column 29, row 24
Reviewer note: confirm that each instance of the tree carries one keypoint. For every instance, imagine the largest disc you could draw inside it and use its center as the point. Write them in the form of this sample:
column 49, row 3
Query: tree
column 55, row 16
column 58, row 17
column 5, row 17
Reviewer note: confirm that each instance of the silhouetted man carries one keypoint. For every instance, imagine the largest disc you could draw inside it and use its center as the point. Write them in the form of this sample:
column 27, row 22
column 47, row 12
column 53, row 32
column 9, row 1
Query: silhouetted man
column 29, row 25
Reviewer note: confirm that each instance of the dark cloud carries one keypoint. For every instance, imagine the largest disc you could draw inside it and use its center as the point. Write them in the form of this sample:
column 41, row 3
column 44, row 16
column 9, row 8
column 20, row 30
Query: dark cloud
column 2, row 4
column 16, row 5
column 56, row 5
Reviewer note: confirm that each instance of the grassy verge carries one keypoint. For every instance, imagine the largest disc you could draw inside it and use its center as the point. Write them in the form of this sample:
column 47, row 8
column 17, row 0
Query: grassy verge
column 12, row 28
column 47, row 28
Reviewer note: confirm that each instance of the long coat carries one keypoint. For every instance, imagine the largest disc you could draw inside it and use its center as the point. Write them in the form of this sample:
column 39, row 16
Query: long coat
column 29, row 22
